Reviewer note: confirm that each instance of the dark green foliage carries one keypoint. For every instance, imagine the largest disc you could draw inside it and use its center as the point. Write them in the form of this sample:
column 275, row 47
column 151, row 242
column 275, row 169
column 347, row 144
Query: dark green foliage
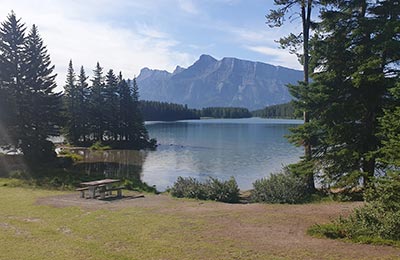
column 225, row 112
column 97, row 111
column 354, row 60
column 283, row 187
column 31, row 108
column 138, row 185
column 224, row 191
column 212, row 189
column 389, row 132
column 376, row 222
column 276, row 111
column 188, row 188
column 106, row 114
column 75, row 95
column 163, row 111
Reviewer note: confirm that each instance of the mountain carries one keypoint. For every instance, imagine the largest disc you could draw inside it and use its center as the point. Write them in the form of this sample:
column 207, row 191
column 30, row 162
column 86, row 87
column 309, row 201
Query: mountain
column 229, row 82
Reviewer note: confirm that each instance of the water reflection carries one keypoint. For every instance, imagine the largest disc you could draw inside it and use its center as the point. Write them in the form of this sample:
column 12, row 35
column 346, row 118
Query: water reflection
column 119, row 164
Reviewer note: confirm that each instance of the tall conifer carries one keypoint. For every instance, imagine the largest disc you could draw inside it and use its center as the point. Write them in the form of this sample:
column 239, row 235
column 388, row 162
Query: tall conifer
column 42, row 110
column 12, row 43
column 96, row 104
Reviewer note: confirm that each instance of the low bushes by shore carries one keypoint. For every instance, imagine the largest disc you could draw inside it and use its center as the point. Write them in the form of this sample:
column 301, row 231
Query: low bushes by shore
column 212, row 189
column 283, row 187
column 378, row 222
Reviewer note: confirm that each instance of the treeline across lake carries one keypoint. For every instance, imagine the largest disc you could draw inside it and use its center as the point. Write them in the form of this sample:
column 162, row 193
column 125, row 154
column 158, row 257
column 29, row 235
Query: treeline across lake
column 285, row 110
column 163, row 111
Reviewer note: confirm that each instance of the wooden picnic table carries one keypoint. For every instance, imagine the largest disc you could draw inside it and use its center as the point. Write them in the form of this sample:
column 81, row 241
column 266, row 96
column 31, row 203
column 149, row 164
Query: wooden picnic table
column 102, row 186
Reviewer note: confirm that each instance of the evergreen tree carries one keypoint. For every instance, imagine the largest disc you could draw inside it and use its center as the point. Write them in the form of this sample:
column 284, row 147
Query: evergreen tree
column 72, row 129
column 41, row 112
column 139, row 133
column 96, row 104
column 389, row 153
column 125, row 110
column 83, row 119
column 111, row 105
column 353, row 56
column 12, row 44
column 30, row 112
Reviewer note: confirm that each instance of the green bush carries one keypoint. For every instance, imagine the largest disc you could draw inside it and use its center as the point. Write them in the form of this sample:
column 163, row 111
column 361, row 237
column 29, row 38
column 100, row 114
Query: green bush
column 377, row 222
column 138, row 185
column 283, row 187
column 212, row 189
column 224, row 191
column 188, row 188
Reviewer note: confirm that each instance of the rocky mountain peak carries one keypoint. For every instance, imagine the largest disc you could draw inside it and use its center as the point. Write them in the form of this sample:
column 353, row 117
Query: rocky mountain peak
column 229, row 82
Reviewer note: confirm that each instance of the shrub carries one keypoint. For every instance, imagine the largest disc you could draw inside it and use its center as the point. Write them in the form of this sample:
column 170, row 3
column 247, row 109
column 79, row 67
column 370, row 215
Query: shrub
column 212, row 189
column 138, row 185
column 188, row 188
column 224, row 191
column 283, row 187
column 377, row 222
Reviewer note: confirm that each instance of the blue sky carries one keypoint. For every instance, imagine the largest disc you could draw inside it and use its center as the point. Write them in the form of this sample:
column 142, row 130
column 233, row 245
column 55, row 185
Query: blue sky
column 159, row 34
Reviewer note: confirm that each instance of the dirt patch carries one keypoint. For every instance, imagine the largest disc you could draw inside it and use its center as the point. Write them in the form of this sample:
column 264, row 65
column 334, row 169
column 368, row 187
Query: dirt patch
column 279, row 230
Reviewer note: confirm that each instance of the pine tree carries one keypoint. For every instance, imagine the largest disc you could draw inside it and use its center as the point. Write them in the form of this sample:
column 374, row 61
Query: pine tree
column 41, row 112
column 125, row 110
column 111, row 105
column 12, row 40
column 139, row 132
column 72, row 129
column 353, row 54
column 96, row 104
column 31, row 110
column 389, row 153
column 83, row 118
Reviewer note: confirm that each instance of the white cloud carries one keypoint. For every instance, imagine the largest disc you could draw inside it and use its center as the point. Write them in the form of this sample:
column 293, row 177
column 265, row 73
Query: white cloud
column 75, row 30
column 188, row 6
column 262, row 41
column 277, row 56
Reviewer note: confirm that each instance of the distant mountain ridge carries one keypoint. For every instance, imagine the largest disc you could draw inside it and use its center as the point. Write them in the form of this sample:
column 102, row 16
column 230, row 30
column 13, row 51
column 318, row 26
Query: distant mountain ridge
column 229, row 82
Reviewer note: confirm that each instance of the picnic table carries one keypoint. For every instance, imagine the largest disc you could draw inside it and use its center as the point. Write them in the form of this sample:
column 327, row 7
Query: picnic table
column 101, row 187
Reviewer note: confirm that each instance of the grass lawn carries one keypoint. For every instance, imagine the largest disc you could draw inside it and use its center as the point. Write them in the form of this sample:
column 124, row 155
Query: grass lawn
column 166, row 228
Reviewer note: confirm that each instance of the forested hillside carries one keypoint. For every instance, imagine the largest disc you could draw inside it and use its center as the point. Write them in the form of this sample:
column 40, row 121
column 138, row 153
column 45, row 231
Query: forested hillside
column 276, row 111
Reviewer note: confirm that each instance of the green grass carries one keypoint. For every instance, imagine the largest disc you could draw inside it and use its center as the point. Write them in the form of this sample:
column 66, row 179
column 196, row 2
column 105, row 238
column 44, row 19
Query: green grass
column 335, row 231
column 31, row 231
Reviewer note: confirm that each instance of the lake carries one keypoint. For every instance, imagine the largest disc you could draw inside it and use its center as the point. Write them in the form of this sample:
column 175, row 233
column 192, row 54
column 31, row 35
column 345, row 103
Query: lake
column 247, row 149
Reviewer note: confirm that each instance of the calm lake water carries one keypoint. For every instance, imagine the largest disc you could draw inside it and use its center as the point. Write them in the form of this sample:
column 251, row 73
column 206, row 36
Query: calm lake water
column 247, row 149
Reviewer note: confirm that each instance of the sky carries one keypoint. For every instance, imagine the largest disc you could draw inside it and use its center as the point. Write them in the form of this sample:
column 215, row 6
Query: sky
column 128, row 35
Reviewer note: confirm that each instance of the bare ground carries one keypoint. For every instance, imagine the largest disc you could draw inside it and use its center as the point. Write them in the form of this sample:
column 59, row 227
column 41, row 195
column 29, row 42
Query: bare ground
column 277, row 230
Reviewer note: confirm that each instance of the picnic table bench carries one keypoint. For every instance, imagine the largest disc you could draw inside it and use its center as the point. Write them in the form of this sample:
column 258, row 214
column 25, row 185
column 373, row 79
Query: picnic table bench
column 101, row 187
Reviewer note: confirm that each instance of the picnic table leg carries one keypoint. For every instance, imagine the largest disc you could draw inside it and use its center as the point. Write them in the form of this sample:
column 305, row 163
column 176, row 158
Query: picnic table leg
column 108, row 186
column 91, row 192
